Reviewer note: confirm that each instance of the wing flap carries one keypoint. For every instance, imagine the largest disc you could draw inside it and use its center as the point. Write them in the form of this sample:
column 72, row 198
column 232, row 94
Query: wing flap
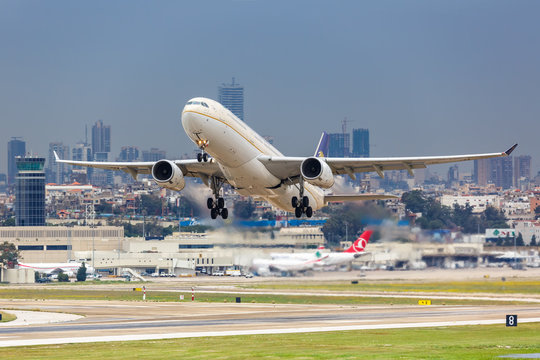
column 358, row 197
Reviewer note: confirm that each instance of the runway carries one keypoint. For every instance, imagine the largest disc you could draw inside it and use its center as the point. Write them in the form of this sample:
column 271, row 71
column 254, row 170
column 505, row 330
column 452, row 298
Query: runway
column 122, row 320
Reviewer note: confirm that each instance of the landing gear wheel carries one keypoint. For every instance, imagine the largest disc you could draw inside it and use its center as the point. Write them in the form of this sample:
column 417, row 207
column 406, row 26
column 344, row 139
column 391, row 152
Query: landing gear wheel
column 309, row 211
column 305, row 201
column 210, row 203
column 224, row 213
column 298, row 212
column 205, row 157
column 220, row 203
column 213, row 213
column 199, row 157
column 294, row 201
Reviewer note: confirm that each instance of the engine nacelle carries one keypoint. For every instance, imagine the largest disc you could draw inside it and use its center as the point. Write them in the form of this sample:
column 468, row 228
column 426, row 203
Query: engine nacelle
column 317, row 172
column 167, row 175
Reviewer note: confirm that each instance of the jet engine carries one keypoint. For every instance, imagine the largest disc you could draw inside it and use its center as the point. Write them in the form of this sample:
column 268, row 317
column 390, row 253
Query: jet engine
column 167, row 175
column 317, row 172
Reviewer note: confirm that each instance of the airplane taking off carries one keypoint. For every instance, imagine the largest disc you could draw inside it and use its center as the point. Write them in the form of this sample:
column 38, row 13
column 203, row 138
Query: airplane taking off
column 253, row 167
column 70, row 268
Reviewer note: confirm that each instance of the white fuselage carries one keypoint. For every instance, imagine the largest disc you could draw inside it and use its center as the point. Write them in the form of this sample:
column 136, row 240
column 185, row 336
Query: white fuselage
column 236, row 148
column 52, row 268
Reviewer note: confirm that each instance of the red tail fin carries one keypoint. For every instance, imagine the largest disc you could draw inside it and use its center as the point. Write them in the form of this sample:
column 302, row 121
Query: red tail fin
column 360, row 244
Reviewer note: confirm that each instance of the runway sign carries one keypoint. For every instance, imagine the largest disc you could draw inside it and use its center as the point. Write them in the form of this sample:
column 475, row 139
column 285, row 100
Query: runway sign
column 424, row 302
column 137, row 289
column 511, row 320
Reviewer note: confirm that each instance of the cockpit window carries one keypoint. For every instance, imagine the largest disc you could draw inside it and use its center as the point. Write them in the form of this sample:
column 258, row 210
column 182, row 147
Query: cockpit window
column 204, row 104
column 193, row 103
column 189, row 103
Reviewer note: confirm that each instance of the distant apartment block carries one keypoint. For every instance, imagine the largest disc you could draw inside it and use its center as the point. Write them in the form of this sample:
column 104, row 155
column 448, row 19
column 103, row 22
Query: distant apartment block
column 101, row 138
column 522, row 169
column 16, row 147
column 232, row 97
column 57, row 172
column 129, row 153
column 154, row 154
column 360, row 139
column 339, row 145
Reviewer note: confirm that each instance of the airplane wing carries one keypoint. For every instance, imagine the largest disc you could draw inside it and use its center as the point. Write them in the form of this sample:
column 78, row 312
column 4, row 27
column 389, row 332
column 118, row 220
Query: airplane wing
column 289, row 167
column 190, row 167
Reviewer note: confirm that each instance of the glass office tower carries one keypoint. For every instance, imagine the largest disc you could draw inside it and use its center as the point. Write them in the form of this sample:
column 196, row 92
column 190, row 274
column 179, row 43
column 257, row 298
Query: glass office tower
column 30, row 191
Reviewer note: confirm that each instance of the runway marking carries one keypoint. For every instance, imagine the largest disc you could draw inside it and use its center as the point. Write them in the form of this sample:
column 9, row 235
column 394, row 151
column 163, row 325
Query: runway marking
column 179, row 335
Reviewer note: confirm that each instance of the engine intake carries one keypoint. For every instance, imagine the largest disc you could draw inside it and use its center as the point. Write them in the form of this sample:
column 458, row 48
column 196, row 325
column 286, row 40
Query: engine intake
column 317, row 172
column 167, row 175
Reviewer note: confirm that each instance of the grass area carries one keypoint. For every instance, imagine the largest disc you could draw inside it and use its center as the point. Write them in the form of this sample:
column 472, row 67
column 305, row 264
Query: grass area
column 130, row 295
column 7, row 317
column 486, row 286
column 467, row 342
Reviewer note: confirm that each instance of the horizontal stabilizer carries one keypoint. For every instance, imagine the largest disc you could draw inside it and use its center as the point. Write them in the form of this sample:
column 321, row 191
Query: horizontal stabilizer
column 357, row 197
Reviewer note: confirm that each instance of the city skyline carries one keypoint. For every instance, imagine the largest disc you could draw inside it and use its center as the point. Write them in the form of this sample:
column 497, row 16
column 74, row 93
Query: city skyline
column 425, row 78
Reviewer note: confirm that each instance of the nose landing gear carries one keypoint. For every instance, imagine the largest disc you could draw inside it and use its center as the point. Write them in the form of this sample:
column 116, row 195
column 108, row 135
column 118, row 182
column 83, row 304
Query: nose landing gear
column 301, row 204
column 217, row 204
column 202, row 144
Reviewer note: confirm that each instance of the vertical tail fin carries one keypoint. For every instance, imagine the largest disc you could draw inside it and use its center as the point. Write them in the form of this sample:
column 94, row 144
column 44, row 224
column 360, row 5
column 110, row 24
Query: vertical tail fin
column 322, row 148
column 360, row 244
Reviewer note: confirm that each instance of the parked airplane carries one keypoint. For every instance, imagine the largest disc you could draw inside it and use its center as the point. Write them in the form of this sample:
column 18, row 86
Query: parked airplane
column 70, row 268
column 333, row 258
column 265, row 267
column 253, row 167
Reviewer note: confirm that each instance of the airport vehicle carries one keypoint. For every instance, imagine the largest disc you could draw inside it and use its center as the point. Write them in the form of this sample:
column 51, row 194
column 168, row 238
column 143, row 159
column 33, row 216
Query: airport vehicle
column 69, row 268
column 233, row 153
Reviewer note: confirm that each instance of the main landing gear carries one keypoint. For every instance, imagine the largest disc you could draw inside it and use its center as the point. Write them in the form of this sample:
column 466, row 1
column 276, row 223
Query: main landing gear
column 301, row 203
column 217, row 204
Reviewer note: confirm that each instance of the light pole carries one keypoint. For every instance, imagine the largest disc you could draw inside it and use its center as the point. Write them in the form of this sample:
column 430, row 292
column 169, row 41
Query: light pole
column 93, row 227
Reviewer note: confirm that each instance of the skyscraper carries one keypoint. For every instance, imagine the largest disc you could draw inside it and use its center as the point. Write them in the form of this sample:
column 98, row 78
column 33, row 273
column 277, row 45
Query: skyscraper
column 501, row 173
column 481, row 171
column 101, row 138
column 129, row 153
column 16, row 147
column 30, row 191
column 232, row 97
column 360, row 143
column 57, row 172
column 522, row 168
column 339, row 145
column 154, row 154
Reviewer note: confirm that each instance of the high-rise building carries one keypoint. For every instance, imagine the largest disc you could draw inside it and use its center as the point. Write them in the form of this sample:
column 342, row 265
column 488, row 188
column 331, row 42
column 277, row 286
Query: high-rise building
column 57, row 172
column 16, row 147
column 129, row 153
column 30, row 191
column 154, row 154
column 81, row 152
column 101, row 138
column 232, row 97
column 360, row 139
column 522, row 168
column 482, row 171
column 501, row 173
column 453, row 174
column 339, row 145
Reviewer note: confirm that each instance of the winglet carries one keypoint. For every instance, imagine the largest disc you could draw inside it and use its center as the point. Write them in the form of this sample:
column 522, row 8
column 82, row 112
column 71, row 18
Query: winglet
column 509, row 151
column 56, row 156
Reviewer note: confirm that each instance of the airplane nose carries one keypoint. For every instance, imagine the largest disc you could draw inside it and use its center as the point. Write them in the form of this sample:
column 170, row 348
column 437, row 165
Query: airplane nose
column 191, row 122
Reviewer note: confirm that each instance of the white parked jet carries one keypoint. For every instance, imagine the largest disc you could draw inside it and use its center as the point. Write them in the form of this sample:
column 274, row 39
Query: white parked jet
column 265, row 267
column 333, row 258
column 70, row 268
column 253, row 167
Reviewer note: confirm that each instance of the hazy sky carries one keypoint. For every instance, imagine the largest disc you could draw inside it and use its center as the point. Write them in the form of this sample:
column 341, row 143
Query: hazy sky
column 426, row 77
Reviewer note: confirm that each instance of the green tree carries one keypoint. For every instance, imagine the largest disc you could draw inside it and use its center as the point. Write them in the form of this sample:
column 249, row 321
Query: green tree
column 8, row 222
column 415, row 201
column 150, row 203
column 244, row 209
column 63, row 277
column 81, row 273
column 533, row 241
column 519, row 240
column 9, row 254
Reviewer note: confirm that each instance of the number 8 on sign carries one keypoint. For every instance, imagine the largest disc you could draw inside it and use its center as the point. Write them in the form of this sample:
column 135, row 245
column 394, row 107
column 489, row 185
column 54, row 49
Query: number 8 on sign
column 511, row 320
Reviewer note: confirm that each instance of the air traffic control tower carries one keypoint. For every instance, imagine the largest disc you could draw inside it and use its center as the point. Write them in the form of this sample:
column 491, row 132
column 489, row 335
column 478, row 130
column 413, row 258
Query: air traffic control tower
column 30, row 191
